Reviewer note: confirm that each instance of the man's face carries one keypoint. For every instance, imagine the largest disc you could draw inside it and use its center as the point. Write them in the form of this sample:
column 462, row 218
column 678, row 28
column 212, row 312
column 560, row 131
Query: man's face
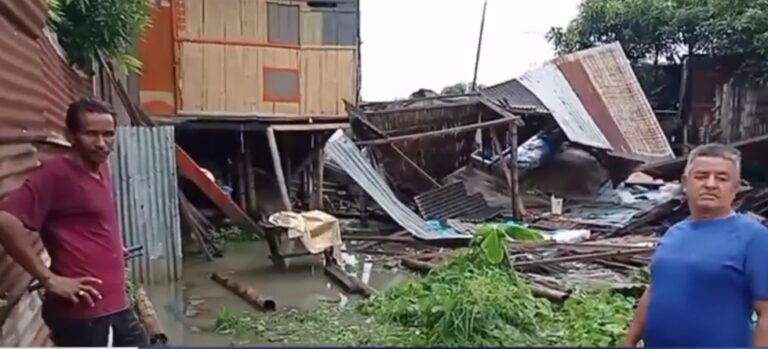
column 95, row 138
column 711, row 183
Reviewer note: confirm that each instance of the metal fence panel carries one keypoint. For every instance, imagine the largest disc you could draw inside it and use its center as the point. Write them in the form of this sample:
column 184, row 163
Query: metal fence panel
column 146, row 191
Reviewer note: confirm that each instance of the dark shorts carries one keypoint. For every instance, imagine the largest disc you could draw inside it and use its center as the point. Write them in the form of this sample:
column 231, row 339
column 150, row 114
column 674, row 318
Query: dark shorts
column 127, row 331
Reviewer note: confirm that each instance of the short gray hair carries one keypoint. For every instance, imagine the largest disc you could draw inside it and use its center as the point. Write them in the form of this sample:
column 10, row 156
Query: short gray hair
column 715, row 150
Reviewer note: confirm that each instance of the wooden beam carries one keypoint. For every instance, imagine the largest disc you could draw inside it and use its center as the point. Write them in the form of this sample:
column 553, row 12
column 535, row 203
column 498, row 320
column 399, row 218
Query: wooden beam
column 518, row 210
column 309, row 127
column 189, row 169
column 316, row 201
column 455, row 130
column 278, row 165
column 397, row 150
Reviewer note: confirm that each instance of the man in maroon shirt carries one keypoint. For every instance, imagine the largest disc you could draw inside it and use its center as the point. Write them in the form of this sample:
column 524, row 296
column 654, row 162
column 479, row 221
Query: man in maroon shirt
column 69, row 201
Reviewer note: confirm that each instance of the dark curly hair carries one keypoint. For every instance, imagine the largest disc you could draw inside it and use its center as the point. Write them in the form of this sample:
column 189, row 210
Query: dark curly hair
column 85, row 105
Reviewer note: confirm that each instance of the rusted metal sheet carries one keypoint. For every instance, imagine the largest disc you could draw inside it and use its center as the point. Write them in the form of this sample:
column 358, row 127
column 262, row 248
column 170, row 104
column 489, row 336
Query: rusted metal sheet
column 63, row 86
column 27, row 16
column 35, row 87
column 597, row 101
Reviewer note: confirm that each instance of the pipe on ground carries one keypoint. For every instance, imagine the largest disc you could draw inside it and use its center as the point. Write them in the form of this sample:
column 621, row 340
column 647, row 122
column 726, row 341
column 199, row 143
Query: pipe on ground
column 148, row 318
column 246, row 293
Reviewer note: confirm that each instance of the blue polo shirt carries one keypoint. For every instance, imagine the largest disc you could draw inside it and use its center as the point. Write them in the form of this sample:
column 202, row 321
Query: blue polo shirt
column 705, row 277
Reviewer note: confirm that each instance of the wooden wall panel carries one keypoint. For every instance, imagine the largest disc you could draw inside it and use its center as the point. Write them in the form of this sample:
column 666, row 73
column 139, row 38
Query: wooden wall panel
column 224, row 51
column 243, row 20
column 219, row 77
column 328, row 77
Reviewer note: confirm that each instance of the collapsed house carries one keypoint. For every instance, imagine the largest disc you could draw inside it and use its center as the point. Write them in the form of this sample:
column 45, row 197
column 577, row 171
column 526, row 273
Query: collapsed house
column 566, row 162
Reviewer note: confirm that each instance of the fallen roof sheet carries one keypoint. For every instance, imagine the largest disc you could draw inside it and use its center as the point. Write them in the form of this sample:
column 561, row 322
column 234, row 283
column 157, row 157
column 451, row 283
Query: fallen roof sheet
column 514, row 97
column 345, row 153
column 453, row 201
column 596, row 99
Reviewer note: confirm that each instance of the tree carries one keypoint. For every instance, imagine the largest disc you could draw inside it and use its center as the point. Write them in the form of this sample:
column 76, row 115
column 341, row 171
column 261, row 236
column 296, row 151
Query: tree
column 87, row 28
column 650, row 30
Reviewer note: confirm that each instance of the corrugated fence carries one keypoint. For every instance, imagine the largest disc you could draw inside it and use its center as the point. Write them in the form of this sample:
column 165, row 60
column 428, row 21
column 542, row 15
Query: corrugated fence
column 144, row 176
column 36, row 84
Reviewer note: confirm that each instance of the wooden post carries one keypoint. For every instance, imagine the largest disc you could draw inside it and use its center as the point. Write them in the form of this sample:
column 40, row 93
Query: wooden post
column 278, row 165
column 242, row 182
column 250, row 179
column 517, row 209
column 317, row 185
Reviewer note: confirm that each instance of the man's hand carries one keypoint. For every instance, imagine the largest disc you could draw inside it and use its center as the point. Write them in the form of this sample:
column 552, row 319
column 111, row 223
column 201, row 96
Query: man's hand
column 73, row 288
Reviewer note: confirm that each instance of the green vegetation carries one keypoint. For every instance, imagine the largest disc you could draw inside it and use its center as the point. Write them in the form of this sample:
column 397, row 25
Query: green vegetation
column 473, row 299
column 223, row 235
column 87, row 28
column 654, row 30
column 130, row 288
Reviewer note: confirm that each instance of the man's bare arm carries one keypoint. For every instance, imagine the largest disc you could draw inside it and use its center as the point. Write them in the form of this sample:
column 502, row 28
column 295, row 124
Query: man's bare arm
column 761, row 332
column 636, row 328
column 16, row 240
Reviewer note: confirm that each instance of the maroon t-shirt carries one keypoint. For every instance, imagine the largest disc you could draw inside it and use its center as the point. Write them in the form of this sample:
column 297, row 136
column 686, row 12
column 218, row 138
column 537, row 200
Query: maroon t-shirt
column 76, row 216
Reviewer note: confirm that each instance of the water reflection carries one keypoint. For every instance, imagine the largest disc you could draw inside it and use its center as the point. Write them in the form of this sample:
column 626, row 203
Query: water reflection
column 187, row 310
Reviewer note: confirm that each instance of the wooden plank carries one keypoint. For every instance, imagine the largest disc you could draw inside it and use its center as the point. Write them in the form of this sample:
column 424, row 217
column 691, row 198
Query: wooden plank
column 192, row 80
column 310, row 127
column 193, row 14
column 455, row 130
column 278, row 166
column 190, row 170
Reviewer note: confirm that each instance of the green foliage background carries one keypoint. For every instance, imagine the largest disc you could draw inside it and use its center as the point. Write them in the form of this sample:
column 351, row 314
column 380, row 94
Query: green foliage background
column 87, row 28
column 654, row 30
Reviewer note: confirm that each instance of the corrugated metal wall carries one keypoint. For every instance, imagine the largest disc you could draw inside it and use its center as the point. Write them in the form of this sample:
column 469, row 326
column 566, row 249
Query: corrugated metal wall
column 35, row 86
column 144, row 176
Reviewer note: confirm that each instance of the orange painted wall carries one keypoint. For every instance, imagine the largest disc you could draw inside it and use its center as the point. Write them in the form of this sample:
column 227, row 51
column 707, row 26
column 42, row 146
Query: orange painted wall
column 157, row 80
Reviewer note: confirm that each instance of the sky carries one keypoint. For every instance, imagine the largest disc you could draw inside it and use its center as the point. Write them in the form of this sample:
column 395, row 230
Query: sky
column 413, row 44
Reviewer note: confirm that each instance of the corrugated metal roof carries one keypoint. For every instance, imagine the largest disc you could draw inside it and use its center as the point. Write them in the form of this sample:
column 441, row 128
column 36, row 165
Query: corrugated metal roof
column 343, row 151
column 514, row 97
column 27, row 16
column 596, row 99
column 452, row 201
column 144, row 178
column 25, row 100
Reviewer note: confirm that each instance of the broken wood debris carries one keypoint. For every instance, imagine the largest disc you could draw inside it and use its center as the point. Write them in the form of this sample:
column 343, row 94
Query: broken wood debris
column 350, row 283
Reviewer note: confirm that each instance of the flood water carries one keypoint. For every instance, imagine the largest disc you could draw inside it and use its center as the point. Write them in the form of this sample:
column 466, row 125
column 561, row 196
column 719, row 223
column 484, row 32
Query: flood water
column 187, row 310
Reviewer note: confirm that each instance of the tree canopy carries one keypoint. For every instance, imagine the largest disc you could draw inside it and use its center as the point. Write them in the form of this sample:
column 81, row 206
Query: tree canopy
column 87, row 28
column 656, row 30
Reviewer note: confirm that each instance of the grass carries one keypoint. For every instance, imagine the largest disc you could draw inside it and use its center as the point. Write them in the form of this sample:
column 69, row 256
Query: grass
column 327, row 325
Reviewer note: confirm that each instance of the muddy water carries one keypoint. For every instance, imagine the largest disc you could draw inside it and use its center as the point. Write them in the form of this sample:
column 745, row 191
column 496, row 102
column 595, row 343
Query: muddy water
column 188, row 309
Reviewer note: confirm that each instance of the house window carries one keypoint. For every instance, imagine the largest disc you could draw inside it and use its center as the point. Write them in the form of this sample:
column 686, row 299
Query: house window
column 283, row 23
column 340, row 28
column 281, row 85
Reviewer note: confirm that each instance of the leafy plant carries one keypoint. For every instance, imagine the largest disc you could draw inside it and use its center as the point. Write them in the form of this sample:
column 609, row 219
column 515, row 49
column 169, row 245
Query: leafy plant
column 88, row 28
column 471, row 300
column 130, row 288
column 492, row 239
column 597, row 319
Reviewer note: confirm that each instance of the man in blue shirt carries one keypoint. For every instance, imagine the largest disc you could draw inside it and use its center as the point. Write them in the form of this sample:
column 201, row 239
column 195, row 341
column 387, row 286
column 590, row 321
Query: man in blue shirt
column 710, row 271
